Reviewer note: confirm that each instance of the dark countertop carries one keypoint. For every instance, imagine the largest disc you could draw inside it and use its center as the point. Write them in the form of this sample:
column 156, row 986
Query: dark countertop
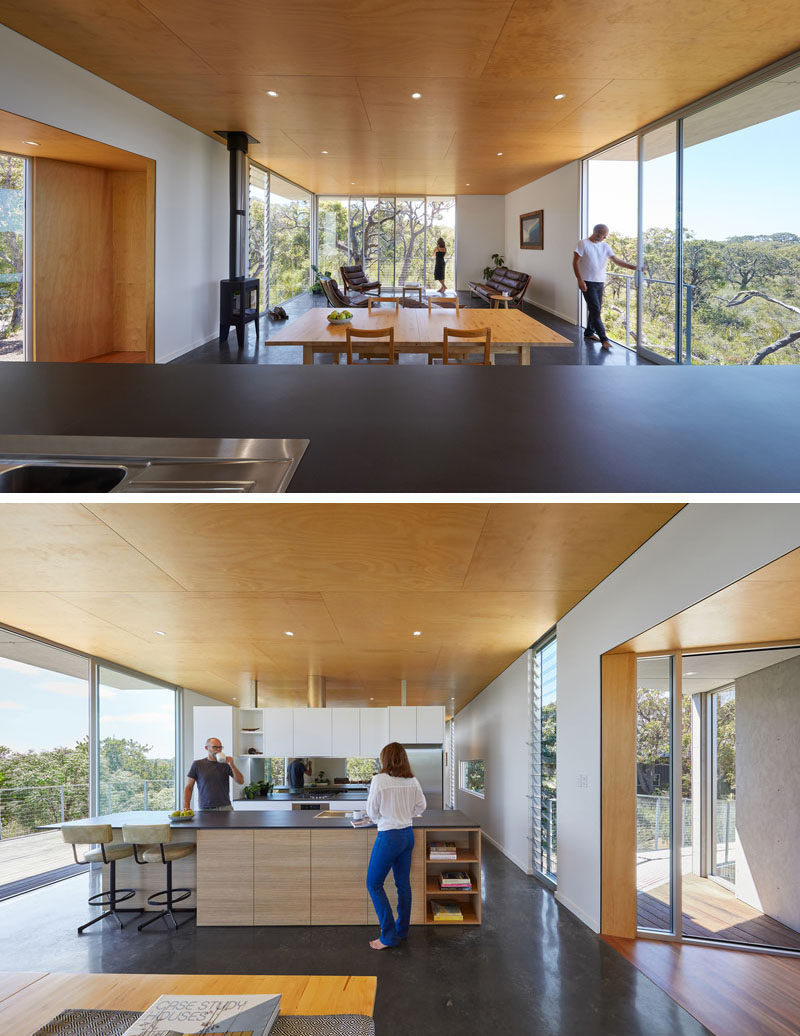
column 415, row 428
column 253, row 818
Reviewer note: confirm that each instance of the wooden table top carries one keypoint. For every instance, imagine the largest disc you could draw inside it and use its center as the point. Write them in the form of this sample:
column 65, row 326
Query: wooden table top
column 418, row 327
column 29, row 1000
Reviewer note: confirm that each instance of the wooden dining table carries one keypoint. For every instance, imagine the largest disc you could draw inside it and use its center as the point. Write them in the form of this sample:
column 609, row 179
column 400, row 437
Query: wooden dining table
column 29, row 1000
column 417, row 331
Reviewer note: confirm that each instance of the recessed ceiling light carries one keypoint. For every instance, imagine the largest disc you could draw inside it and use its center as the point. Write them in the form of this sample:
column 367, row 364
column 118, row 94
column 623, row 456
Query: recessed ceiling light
column 352, row 183
column 324, row 152
column 499, row 153
column 33, row 143
column 417, row 633
column 467, row 185
column 372, row 699
column 690, row 674
column 416, row 96
column 559, row 97
column 159, row 633
column 272, row 93
column 288, row 633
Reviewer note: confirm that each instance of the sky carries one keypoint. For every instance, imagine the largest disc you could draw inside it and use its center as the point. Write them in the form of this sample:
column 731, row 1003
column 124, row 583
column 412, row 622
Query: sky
column 40, row 709
column 741, row 183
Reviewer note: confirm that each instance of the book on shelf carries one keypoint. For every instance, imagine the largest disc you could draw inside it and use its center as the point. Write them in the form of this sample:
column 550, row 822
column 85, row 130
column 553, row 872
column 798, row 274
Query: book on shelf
column 446, row 910
column 243, row 1014
column 455, row 881
column 442, row 851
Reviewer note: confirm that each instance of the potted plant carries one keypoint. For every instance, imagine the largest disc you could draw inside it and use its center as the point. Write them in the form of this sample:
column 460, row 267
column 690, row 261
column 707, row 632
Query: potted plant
column 316, row 287
column 489, row 271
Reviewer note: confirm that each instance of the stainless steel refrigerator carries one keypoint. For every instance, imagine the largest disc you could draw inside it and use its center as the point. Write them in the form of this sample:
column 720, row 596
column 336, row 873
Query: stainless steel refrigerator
column 427, row 765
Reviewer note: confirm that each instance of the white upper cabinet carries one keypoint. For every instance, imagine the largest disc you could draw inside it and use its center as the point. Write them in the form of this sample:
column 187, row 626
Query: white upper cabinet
column 430, row 724
column 374, row 725
column 312, row 732
column 279, row 732
column 403, row 724
column 345, row 736
column 211, row 721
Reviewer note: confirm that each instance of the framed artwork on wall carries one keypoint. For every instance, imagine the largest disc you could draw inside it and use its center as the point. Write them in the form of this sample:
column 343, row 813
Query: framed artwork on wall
column 531, row 229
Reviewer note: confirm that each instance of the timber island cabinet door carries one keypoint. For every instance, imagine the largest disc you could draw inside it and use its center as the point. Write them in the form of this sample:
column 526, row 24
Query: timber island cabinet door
column 225, row 877
column 339, row 861
column 282, row 892
column 417, row 880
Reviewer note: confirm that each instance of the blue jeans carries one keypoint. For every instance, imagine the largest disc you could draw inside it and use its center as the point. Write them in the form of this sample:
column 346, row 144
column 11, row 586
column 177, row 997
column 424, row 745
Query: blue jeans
column 594, row 301
column 392, row 851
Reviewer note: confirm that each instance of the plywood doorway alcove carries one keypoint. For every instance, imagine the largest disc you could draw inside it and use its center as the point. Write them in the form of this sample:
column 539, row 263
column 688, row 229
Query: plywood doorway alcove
column 92, row 245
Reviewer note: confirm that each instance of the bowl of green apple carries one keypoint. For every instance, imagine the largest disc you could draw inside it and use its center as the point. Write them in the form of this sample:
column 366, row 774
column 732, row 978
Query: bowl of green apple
column 339, row 316
column 181, row 814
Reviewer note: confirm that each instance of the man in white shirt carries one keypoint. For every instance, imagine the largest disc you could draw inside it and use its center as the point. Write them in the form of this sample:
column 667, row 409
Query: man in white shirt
column 589, row 264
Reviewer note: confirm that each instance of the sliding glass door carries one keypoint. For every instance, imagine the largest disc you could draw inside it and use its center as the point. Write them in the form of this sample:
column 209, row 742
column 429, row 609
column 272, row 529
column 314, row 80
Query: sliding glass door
column 137, row 742
column 715, row 204
column 13, row 325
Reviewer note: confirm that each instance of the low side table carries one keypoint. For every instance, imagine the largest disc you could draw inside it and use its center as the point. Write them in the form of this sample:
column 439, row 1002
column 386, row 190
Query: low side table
column 497, row 299
column 413, row 286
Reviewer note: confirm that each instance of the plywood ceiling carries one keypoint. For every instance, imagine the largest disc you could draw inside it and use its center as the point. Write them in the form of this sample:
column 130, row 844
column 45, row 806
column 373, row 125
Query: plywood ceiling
column 38, row 140
column 225, row 582
column 345, row 72
column 761, row 608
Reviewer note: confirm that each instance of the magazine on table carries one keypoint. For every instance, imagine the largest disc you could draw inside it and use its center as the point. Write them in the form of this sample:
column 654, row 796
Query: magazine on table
column 243, row 1014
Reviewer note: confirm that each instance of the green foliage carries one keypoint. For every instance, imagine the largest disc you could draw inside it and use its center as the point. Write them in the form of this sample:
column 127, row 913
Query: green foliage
column 716, row 271
column 475, row 775
column 124, row 766
column 497, row 262
column 361, row 770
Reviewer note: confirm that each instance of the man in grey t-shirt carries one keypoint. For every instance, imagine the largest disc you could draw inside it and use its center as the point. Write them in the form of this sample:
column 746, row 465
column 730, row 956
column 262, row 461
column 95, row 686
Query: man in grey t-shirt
column 211, row 776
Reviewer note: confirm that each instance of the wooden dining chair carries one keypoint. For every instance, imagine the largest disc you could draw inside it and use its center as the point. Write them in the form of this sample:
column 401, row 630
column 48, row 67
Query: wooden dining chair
column 372, row 301
column 354, row 333
column 480, row 333
column 444, row 301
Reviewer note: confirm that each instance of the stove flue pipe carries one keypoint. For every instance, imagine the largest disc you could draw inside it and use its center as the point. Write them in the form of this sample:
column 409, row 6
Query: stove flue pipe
column 316, row 692
column 237, row 142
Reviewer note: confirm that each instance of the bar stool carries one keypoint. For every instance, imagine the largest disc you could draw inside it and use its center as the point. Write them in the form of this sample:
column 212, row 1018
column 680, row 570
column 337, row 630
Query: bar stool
column 152, row 843
column 108, row 853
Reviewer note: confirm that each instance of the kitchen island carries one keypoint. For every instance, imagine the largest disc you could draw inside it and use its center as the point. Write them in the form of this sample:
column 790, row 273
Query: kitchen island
column 414, row 428
column 283, row 867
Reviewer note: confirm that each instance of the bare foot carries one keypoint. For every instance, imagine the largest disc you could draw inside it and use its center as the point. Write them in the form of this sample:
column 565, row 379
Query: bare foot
column 376, row 944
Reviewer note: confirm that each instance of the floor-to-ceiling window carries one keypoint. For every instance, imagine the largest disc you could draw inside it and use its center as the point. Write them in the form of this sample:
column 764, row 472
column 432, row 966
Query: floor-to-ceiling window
column 137, row 742
column 718, row 861
column 44, row 756
column 611, row 191
column 544, row 685
column 289, row 240
column 258, row 230
column 393, row 238
column 12, row 257
column 720, row 229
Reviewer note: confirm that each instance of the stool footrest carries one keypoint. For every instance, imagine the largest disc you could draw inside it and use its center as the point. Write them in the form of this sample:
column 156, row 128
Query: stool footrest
column 111, row 897
column 172, row 896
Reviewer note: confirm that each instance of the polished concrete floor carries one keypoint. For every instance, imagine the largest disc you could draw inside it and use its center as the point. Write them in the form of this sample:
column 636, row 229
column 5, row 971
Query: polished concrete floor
column 531, row 969
column 582, row 353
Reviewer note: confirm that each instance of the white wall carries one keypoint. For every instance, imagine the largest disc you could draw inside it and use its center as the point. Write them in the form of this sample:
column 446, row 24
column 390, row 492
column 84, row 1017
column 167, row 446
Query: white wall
column 480, row 232
column 767, row 810
column 553, row 285
column 703, row 549
column 191, row 237
column 495, row 727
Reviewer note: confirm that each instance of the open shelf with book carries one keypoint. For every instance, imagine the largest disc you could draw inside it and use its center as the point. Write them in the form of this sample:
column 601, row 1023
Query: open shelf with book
column 453, row 852
column 249, row 732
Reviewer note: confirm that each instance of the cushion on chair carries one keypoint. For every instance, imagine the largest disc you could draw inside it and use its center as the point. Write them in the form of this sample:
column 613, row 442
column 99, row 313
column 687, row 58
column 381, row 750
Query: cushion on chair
column 113, row 851
column 173, row 851
column 86, row 834
column 354, row 277
column 503, row 279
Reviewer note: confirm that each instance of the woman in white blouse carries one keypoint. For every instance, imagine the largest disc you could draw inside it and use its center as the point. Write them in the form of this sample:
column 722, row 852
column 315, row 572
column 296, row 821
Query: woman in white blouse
column 395, row 797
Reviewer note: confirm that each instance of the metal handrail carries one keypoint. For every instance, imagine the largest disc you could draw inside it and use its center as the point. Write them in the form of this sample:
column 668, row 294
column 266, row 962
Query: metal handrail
column 639, row 280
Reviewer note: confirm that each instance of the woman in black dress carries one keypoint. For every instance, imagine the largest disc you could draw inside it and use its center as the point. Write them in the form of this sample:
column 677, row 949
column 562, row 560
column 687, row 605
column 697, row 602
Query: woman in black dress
column 438, row 270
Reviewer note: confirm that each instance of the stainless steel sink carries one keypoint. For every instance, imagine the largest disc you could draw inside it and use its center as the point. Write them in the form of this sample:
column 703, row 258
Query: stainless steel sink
column 94, row 464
